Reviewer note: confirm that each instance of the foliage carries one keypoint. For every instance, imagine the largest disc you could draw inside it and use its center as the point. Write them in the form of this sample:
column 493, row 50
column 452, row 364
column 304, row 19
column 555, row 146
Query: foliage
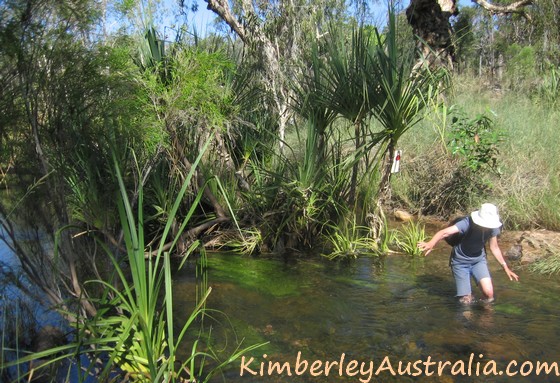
column 18, row 325
column 385, row 238
column 456, row 166
column 362, row 77
column 549, row 265
column 476, row 140
column 293, row 197
column 406, row 88
column 69, row 101
column 521, row 68
column 464, row 37
column 436, row 183
column 343, row 88
column 349, row 240
column 250, row 241
column 134, row 328
column 142, row 332
column 549, row 89
column 406, row 239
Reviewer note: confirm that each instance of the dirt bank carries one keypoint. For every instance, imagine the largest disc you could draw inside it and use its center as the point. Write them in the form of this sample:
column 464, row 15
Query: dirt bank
column 535, row 245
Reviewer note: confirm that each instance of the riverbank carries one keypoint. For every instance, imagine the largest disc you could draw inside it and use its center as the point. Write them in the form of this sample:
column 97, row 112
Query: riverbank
column 535, row 244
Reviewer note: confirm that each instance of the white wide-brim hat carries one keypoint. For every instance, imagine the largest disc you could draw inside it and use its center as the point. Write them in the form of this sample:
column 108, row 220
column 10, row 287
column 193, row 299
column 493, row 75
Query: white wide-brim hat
column 487, row 216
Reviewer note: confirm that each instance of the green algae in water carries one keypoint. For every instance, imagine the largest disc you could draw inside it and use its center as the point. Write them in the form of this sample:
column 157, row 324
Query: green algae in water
column 263, row 275
column 368, row 312
column 508, row 308
column 372, row 285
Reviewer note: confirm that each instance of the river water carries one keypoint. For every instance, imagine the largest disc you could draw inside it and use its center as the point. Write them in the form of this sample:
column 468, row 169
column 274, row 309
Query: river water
column 378, row 312
column 364, row 317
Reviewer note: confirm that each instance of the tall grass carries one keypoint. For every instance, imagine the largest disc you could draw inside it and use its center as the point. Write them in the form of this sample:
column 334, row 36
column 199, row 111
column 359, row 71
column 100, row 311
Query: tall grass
column 549, row 265
column 530, row 167
column 138, row 330
column 526, row 188
column 18, row 330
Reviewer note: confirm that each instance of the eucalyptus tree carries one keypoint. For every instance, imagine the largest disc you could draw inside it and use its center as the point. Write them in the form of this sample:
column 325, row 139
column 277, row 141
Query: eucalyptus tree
column 539, row 31
column 490, row 43
column 275, row 35
column 430, row 20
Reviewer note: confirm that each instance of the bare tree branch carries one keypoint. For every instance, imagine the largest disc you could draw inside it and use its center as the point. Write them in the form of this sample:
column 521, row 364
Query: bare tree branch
column 516, row 7
column 188, row 236
column 222, row 9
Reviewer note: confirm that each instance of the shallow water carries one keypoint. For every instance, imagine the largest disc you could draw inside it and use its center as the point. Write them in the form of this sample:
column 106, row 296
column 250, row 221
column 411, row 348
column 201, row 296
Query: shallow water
column 398, row 309
column 383, row 311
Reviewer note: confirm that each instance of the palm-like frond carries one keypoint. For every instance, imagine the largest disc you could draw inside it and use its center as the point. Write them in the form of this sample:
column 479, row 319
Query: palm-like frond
column 404, row 89
column 311, row 95
column 346, row 68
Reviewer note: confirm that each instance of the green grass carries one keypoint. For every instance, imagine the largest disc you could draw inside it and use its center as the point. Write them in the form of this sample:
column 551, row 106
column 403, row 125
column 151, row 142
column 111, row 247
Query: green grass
column 527, row 189
column 549, row 265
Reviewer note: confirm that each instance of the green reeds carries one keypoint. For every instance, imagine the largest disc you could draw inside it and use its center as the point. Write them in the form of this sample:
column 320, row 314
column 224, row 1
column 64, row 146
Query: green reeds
column 384, row 237
column 134, row 335
column 350, row 240
column 549, row 265
column 18, row 330
column 250, row 241
column 407, row 237
column 139, row 329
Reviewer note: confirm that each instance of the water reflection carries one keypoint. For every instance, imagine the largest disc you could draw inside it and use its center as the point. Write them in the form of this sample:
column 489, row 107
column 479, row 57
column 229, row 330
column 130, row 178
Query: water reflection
column 401, row 308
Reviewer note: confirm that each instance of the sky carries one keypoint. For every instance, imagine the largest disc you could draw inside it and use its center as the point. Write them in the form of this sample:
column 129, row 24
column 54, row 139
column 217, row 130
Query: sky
column 203, row 19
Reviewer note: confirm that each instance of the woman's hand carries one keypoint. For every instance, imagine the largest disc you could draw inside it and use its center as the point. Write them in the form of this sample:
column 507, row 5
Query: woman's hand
column 427, row 247
column 511, row 275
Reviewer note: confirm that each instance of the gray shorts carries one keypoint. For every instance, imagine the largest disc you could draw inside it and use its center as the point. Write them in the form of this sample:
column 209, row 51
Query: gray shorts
column 463, row 271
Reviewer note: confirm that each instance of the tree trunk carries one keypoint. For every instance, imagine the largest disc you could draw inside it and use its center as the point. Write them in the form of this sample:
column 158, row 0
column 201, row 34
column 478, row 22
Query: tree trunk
column 430, row 22
column 252, row 33
column 355, row 168
column 385, row 183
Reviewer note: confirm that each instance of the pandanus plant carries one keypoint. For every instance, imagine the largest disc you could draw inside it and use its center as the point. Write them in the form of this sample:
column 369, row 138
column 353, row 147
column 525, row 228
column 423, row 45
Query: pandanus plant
column 367, row 78
column 405, row 87
column 347, row 88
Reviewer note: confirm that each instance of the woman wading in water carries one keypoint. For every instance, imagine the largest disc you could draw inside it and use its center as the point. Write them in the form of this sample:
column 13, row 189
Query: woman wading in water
column 468, row 257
